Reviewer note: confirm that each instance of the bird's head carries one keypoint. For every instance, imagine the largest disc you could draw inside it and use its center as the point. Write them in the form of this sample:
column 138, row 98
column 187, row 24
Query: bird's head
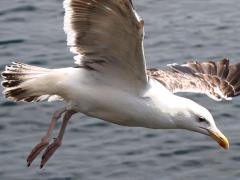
column 196, row 118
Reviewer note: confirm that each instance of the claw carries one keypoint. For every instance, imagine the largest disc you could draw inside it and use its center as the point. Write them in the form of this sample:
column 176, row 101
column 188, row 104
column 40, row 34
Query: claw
column 45, row 139
column 36, row 151
column 50, row 151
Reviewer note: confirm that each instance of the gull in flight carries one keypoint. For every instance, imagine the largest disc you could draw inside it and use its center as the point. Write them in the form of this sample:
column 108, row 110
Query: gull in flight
column 110, row 80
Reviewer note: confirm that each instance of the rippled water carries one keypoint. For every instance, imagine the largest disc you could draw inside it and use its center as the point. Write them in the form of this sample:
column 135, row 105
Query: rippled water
column 31, row 31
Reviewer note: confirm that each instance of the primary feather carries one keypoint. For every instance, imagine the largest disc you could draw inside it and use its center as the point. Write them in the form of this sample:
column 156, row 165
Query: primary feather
column 219, row 80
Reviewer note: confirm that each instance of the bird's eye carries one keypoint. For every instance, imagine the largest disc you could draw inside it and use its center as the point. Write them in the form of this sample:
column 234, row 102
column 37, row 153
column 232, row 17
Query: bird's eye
column 201, row 119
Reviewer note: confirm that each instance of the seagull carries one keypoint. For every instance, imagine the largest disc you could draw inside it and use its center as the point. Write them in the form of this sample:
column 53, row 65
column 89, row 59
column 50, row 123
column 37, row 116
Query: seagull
column 110, row 80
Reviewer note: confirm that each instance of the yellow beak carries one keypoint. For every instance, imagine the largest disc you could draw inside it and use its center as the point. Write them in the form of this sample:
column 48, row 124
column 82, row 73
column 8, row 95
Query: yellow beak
column 220, row 138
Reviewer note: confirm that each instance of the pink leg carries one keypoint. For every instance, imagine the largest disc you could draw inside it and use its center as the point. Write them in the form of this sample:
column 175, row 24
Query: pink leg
column 45, row 139
column 58, row 141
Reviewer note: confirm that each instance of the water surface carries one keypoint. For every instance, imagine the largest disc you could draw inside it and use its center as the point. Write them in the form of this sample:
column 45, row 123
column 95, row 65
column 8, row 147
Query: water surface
column 176, row 31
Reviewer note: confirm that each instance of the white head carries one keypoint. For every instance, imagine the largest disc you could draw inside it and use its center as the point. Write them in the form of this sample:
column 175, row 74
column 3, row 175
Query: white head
column 193, row 117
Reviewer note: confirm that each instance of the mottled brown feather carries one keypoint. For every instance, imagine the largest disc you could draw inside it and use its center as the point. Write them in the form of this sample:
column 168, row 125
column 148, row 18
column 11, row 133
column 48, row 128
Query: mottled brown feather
column 219, row 80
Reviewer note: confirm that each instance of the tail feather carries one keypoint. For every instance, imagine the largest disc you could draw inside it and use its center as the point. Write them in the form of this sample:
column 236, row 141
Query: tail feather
column 19, row 81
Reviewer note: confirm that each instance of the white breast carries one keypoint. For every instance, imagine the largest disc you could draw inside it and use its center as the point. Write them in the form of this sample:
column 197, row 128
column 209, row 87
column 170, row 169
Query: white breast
column 117, row 106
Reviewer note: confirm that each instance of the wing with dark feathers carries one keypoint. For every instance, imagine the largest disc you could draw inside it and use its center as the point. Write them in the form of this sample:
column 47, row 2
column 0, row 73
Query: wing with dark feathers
column 219, row 80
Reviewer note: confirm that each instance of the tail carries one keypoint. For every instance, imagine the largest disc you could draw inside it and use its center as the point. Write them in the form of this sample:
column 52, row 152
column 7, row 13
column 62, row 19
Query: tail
column 22, row 82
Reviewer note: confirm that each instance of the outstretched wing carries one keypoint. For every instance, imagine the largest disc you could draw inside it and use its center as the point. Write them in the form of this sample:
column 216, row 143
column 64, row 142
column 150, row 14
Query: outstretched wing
column 107, row 36
column 219, row 80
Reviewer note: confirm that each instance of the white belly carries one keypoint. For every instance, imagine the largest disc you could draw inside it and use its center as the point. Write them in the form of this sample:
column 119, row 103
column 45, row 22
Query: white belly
column 114, row 104
column 110, row 105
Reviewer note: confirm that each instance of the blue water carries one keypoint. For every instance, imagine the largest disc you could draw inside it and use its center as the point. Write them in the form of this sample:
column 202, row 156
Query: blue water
column 176, row 31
